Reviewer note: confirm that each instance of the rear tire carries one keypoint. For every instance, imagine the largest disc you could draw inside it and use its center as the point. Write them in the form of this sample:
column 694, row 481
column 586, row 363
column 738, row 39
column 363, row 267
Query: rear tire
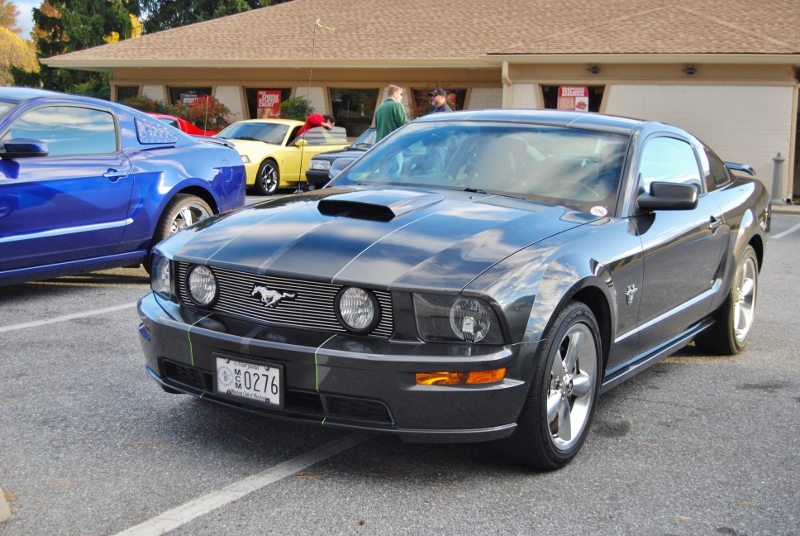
column 557, row 414
column 734, row 320
column 181, row 212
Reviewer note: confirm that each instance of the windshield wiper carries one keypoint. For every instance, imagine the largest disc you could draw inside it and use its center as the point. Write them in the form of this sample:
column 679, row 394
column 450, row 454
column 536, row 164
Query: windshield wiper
column 474, row 191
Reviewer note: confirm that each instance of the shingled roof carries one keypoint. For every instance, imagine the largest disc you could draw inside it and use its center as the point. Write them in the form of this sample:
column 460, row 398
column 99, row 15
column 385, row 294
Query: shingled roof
column 398, row 33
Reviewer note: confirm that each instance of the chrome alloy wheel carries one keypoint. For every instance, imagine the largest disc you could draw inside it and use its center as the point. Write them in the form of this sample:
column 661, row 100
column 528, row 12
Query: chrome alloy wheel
column 572, row 382
column 745, row 299
column 189, row 214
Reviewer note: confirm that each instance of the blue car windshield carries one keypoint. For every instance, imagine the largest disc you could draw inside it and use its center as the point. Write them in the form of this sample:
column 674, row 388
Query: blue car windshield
column 273, row 133
column 573, row 167
column 5, row 107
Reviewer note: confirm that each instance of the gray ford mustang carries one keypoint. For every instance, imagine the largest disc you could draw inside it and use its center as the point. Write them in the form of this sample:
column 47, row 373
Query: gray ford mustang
column 476, row 276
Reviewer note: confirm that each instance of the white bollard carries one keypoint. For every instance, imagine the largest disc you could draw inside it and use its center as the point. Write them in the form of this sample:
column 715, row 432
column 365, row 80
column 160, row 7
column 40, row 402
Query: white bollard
column 777, row 181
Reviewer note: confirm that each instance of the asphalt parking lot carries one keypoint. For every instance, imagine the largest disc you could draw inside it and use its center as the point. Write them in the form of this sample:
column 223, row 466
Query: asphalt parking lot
column 89, row 445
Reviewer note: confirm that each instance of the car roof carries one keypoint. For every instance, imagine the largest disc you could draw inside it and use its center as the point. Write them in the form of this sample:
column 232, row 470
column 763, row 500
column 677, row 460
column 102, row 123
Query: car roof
column 587, row 120
column 20, row 94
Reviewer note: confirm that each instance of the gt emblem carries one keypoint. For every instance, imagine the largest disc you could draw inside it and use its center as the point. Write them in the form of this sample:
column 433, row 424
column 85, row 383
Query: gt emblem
column 270, row 297
column 629, row 292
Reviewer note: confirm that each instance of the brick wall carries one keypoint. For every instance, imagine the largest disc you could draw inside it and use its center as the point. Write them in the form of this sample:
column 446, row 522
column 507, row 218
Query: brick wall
column 483, row 98
column 231, row 96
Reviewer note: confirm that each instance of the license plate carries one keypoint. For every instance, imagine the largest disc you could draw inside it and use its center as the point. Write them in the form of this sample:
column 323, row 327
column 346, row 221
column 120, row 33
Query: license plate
column 254, row 382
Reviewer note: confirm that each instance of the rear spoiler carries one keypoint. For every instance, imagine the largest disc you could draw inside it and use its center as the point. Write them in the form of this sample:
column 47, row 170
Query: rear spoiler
column 741, row 167
column 214, row 141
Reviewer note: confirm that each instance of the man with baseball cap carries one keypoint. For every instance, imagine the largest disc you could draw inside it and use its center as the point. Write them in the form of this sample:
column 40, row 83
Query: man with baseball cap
column 439, row 98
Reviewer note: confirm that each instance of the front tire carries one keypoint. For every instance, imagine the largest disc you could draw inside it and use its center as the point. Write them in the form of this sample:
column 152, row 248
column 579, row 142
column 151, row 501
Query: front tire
column 557, row 414
column 268, row 177
column 734, row 320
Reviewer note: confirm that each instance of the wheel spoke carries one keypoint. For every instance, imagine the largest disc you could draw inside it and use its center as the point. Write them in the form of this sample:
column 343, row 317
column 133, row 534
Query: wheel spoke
column 575, row 344
column 186, row 215
column 581, row 385
column 553, row 403
column 747, row 288
column 564, row 421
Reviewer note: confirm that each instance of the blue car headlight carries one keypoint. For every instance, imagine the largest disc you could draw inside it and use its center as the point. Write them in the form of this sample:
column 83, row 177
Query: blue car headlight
column 456, row 319
column 161, row 281
column 320, row 164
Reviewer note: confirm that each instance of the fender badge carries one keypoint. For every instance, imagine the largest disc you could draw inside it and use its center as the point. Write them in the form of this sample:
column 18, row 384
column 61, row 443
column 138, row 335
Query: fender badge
column 271, row 297
column 629, row 292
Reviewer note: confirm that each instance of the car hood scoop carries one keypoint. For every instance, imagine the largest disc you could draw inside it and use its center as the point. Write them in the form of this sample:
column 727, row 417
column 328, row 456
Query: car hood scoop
column 383, row 206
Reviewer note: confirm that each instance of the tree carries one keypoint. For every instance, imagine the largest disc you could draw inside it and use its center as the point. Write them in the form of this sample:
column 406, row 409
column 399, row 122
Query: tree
column 9, row 16
column 15, row 52
column 64, row 26
column 167, row 14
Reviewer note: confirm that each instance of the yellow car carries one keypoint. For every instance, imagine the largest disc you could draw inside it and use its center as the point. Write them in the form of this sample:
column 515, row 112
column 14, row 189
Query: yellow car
column 273, row 156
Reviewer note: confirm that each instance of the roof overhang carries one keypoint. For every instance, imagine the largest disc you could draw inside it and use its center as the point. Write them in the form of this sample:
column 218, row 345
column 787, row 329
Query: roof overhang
column 728, row 59
column 60, row 62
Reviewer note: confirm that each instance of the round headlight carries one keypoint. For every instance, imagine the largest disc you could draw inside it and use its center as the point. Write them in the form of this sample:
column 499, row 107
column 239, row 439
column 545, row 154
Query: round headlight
column 469, row 319
column 202, row 285
column 357, row 309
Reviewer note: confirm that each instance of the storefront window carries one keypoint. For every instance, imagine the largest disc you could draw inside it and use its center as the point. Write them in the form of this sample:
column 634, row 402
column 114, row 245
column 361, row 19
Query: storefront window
column 421, row 103
column 354, row 108
column 127, row 92
column 265, row 102
column 573, row 97
column 187, row 94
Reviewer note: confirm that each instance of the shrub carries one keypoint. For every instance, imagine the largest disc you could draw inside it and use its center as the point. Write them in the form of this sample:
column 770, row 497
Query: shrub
column 297, row 108
column 205, row 112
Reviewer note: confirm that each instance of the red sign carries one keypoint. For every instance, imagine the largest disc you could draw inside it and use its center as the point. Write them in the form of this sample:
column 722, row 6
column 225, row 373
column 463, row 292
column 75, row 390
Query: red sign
column 574, row 98
column 269, row 103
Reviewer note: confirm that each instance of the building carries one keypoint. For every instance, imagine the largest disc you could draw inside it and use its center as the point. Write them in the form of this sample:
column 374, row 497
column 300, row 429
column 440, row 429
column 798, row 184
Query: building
column 726, row 70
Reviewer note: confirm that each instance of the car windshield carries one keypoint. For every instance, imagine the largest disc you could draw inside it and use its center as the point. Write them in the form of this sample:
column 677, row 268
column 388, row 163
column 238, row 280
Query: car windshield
column 366, row 140
column 5, row 107
column 273, row 133
column 577, row 168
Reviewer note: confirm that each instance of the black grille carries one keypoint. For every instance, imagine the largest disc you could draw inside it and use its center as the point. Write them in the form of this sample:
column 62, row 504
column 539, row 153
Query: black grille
column 298, row 402
column 356, row 408
column 307, row 304
column 190, row 376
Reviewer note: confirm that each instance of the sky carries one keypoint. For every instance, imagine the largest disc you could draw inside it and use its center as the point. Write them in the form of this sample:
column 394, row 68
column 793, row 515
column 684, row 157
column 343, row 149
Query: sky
column 25, row 19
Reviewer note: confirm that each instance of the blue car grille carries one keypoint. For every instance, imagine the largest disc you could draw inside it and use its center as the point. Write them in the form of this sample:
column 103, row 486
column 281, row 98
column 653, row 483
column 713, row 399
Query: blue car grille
column 312, row 305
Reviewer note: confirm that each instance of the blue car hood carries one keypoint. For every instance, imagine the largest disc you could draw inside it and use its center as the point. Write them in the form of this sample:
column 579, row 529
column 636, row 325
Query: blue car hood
column 384, row 238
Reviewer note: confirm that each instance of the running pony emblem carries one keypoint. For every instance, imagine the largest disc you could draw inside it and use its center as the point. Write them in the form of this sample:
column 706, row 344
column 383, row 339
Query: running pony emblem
column 270, row 297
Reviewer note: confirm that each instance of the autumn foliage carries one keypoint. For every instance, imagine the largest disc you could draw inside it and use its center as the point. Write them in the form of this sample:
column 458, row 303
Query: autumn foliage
column 205, row 112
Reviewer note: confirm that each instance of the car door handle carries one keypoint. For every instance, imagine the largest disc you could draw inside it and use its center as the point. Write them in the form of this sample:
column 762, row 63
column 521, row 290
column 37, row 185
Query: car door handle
column 714, row 223
column 113, row 175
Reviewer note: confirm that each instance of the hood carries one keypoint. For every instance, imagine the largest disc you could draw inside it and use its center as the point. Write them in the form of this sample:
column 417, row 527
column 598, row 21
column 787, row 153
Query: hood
column 384, row 238
column 344, row 153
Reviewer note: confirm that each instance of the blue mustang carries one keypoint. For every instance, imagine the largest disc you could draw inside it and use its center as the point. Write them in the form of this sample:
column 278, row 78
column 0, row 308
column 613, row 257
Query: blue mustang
column 87, row 184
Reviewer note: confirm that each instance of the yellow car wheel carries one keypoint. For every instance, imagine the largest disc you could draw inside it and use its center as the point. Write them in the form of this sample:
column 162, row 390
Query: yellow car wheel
column 268, row 177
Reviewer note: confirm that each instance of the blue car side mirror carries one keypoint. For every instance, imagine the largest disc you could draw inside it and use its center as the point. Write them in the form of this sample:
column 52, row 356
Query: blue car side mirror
column 23, row 148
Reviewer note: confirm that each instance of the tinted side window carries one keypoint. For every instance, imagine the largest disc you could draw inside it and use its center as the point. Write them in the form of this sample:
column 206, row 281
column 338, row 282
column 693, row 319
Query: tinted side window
column 719, row 173
column 669, row 160
column 69, row 130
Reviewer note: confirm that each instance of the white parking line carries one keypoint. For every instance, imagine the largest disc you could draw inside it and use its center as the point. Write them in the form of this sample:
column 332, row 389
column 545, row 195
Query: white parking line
column 67, row 317
column 183, row 514
column 786, row 232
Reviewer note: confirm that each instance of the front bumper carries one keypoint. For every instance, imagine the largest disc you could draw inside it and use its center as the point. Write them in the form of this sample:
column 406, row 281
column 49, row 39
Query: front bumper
column 317, row 178
column 337, row 380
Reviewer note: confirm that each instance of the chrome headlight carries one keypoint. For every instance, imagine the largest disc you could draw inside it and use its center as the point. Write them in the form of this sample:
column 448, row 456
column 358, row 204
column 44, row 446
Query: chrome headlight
column 202, row 285
column 320, row 164
column 161, row 275
column 357, row 309
column 456, row 319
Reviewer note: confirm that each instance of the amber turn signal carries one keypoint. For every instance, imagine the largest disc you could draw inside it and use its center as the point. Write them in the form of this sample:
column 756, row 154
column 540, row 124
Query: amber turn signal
column 460, row 378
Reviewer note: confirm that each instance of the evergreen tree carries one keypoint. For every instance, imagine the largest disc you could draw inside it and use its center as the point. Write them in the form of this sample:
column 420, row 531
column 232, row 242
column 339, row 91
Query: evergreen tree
column 167, row 14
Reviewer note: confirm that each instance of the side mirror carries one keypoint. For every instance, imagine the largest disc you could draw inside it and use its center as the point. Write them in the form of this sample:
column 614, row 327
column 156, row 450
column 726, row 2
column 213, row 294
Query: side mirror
column 669, row 196
column 300, row 142
column 24, row 148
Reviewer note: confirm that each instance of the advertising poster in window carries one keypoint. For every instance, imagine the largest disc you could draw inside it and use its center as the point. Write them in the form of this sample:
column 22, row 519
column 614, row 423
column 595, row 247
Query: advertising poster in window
column 575, row 98
column 269, row 103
